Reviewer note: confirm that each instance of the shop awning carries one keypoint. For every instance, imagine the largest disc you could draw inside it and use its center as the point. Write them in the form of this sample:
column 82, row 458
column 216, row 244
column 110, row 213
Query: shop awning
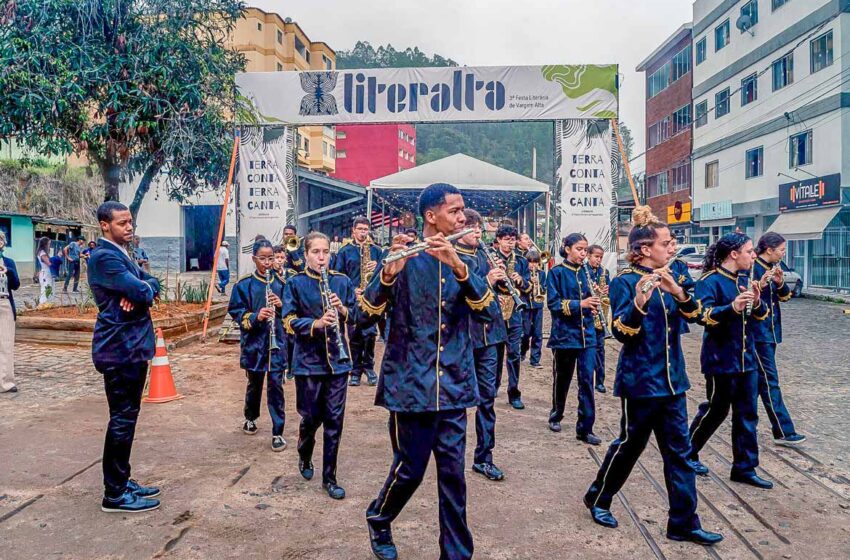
column 804, row 224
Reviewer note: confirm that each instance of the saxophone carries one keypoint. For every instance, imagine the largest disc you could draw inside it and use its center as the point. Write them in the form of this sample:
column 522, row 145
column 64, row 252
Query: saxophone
column 606, row 300
column 365, row 257
column 507, row 304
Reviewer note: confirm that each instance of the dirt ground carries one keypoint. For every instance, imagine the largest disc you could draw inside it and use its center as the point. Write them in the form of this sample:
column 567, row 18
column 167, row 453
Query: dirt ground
column 227, row 495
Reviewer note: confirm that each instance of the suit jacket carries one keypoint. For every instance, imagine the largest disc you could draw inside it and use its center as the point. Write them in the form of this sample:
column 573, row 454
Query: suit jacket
column 121, row 337
column 13, row 280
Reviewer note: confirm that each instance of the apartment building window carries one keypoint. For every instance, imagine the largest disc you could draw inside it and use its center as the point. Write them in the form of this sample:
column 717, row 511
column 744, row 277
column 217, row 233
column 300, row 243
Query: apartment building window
column 776, row 4
column 783, row 72
column 681, row 63
column 279, row 37
column 800, row 149
column 681, row 177
column 656, row 185
column 721, row 35
column 301, row 48
column 751, row 9
column 658, row 81
column 340, row 135
column 659, row 132
column 332, row 150
column 400, row 153
column 755, row 163
column 324, row 148
column 821, row 49
column 279, row 67
column 721, row 103
column 400, row 134
column 702, row 113
column 712, row 174
column 341, row 154
column 328, row 63
column 702, row 50
column 749, row 89
column 259, row 27
column 682, row 119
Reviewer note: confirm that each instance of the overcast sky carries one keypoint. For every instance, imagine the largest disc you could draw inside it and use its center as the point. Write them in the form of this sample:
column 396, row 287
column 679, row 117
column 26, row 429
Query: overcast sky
column 501, row 32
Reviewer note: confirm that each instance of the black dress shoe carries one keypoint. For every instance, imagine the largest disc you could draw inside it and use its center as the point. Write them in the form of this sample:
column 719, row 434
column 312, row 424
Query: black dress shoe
column 555, row 426
column 590, row 439
column 142, row 491
column 600, row 516
column 382, row 543
column 752, row 480
column 790, row 440
column 600, row 388
column 489, row 470
column 698, row 536
column 334, row 491
column 371, row 378
column 354, row 381
column 306, row 468
column 698, row 467
column 517, row 404
column 128, row 503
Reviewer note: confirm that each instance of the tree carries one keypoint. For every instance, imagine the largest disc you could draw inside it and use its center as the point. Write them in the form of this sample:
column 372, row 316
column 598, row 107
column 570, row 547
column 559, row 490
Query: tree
column 138, row 86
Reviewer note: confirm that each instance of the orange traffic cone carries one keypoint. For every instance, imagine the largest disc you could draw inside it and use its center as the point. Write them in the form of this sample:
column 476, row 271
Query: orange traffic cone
column 161, row 388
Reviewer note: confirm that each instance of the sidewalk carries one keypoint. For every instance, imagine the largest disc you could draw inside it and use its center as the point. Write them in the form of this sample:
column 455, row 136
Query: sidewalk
column 824, row 294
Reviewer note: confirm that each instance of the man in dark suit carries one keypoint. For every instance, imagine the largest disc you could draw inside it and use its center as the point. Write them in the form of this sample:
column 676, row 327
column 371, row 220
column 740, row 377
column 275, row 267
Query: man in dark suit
column 122, row 345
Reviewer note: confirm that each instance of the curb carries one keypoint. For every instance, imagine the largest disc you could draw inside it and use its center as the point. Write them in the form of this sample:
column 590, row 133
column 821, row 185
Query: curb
column 832, row 298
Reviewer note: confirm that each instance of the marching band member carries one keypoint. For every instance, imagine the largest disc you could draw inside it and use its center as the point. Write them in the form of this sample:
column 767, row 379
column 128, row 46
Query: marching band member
column 600, row 276
column 485, row 338
column 768, row 334
column 294, row 259
column 348, row 262
column 573, row 336
column 321, row 361
column 255, row 305
column 517, row 268
column 427, row 377
column 281, row 260
column 680, row 273
column 728, row 357
column 536, row 301
column 651, row 381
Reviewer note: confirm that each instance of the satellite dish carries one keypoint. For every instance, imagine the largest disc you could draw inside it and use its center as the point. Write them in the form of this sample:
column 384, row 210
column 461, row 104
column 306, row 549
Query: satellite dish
column 745, row 24
column 287, row 20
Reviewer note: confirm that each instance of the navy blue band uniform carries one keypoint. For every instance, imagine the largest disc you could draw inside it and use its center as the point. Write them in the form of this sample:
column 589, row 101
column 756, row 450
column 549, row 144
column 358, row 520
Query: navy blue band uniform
column 347, row 261
column 768, row 334
column 681, row 274
column 573, row 342
column 532, row 338
column 320, row 375
column 511, row 350
column 260, row 362
column 295, row 259
column 427, row 381
column 601, row 277
column 651, row 382
column 729, row 364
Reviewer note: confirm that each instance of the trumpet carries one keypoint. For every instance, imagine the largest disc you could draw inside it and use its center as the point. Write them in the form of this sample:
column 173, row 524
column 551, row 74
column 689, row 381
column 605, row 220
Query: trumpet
column 272, row 334
column 326, row 305
column 417, row 248
column 292, row 243
column 545, row 256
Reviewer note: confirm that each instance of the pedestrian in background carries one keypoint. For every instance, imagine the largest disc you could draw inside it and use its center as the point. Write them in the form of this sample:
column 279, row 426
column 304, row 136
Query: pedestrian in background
column 72, row 252
column 46, row 281
column 9, row 282
column 140, row 255
column 223, row 267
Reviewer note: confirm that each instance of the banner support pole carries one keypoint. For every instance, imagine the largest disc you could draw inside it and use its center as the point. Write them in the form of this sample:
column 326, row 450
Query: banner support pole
column 625, row 159
column 220, row 235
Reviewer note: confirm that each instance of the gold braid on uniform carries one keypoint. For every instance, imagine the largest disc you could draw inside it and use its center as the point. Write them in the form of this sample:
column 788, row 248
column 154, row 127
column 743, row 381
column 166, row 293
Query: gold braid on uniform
column 479, row 304
column 369, row 308
column 287, row 323
column 706, row 317
column 695, row 313
column 246, row 321
column 626, row 330
column 565, row 307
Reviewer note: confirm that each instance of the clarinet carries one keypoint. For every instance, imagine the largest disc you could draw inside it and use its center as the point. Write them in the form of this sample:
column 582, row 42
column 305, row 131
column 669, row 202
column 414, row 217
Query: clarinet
column 519, row 305
column 326, row 305
column 272, row 334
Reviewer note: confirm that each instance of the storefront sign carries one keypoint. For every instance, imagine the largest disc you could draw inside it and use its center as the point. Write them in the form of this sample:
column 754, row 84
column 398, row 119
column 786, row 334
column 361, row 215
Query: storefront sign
column 812, row 192
column 679, row 213
column 720, row 210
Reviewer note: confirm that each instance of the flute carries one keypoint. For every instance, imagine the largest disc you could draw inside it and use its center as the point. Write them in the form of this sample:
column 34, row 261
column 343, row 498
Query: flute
column 419, row 247
column 749, row 310
column 656, row 279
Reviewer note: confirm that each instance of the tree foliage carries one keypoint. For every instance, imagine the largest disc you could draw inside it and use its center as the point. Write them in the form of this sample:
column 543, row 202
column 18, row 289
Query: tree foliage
column 138, row 86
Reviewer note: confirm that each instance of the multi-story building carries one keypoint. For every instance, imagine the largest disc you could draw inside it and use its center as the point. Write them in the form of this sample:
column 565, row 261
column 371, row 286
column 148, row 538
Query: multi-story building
column 771, row 147
column 273, row 44
column 367, row 152
column 668, row 131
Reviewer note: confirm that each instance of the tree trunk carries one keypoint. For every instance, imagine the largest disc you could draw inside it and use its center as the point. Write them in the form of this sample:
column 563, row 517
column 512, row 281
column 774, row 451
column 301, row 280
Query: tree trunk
column 144, row 186
column 111, row 173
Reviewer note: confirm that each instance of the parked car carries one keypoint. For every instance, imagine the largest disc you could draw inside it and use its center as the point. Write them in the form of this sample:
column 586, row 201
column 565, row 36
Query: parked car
column 694, row 262
column 792, row 278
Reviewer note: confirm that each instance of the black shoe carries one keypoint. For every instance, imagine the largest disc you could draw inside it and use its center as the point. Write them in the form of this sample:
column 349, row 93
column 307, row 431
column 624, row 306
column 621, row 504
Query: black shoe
column 600, row 388
column 489, row 470
column 517, row 404
column 371, row 378
column 142, row 491
column 790, row 440
column 128, row 503
column 600, row 516
column 354, row 381
column 590, row 438
column 289, row 375
column 334, row 491
column 278, row 443
column 13, row 390
column 555, row 426
column 752, row 480
column 698, row 536
column 382, row 543
column 306, row 468
column 698, row 467
column 249, row 427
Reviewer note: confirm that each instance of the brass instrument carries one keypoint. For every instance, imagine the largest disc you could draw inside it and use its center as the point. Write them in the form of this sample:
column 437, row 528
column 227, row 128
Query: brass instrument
column 600, row 321
column 272, row 334
column 536, row 289
column 292, row 243
column 417, row 248
column 514, row 303
column 365, row 258
column 545, row 256
column 325, row 287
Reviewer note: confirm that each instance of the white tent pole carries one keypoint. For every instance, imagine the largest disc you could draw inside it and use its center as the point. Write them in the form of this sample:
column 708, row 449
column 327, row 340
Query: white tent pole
column 369, row 204
column 546, row 223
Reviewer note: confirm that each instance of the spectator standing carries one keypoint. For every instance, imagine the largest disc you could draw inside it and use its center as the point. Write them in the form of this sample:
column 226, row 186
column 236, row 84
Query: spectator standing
column 45, row 274
column 141, row 255
column 223, row 267
column 72, row 252
column 9, row 282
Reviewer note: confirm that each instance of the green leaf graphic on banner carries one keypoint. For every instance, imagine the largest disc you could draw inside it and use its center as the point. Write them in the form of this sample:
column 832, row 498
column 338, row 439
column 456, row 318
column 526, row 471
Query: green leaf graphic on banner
column 589, row 106
column 578, row 80
column 605, row 115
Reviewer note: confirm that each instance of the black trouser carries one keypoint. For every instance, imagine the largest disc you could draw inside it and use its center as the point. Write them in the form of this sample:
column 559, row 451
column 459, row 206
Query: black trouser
column 599, row 367
column 511, row 348
column 274, row 398
column 320, row 400
column 771, row 395
column 486, row 371
column 565, row 363
column 532, row 338
column 124, row 385
column 415, row 436
column 290, row 348
column 667, row 418
column 362, row 351
column 738, row 391
column 73, row 269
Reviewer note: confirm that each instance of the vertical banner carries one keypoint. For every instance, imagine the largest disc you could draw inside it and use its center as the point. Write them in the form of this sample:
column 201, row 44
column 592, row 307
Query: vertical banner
column 584, row 181
column 266, row 181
